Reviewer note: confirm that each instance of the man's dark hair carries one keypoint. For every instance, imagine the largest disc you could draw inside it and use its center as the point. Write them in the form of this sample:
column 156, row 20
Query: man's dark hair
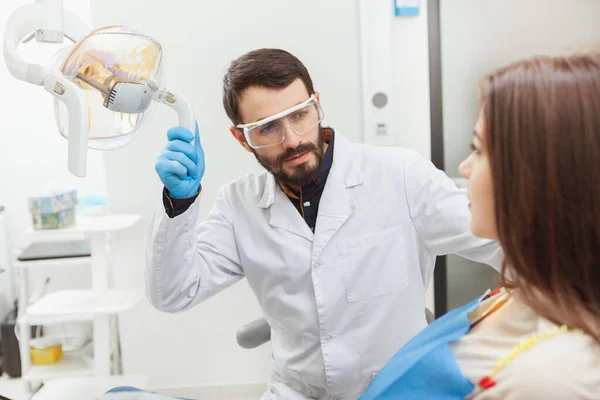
column 271, row 68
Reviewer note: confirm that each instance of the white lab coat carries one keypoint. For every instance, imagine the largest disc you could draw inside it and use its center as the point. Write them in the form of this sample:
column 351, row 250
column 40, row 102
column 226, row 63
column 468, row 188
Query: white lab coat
column 341, row 301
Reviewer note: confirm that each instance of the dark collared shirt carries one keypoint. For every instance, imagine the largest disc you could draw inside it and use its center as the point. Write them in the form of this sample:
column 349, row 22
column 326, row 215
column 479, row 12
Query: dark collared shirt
column 307, row 200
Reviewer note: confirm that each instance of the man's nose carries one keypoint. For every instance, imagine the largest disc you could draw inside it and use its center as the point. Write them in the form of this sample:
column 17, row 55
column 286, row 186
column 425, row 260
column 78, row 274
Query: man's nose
column 291, row 139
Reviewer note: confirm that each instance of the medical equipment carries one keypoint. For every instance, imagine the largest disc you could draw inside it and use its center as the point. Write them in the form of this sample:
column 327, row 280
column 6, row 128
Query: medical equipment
column 103, row 86
column 379, row 105
column 271, row 130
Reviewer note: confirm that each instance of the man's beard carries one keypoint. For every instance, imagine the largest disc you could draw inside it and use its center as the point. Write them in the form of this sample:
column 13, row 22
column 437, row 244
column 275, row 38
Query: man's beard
column 302, row 174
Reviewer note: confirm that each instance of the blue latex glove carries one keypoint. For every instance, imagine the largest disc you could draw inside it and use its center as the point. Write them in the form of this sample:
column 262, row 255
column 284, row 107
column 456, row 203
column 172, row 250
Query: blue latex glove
column 180, row 166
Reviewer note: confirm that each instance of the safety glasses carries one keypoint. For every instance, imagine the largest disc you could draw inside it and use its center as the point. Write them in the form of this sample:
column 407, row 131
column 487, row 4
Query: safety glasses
column 270, row 131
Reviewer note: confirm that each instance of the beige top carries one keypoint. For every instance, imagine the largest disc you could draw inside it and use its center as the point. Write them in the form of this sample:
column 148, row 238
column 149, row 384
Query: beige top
column 565, row 367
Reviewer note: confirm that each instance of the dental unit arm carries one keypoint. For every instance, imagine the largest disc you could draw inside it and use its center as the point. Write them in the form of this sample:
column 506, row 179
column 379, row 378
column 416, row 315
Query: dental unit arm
column 48, row 22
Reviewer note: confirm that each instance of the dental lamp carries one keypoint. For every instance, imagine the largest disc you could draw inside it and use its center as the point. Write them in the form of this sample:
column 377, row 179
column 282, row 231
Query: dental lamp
column 104, row 84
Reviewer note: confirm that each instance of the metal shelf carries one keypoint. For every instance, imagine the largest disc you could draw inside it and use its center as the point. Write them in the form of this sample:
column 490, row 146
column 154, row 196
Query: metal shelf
column 57, row 262
column 100, row 224
column 70, row 365
column 96, row 304
column 76, row 305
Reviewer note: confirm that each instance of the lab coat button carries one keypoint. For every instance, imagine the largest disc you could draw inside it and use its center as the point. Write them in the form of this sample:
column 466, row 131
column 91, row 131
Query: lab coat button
column 327, row 339
column 317, row 265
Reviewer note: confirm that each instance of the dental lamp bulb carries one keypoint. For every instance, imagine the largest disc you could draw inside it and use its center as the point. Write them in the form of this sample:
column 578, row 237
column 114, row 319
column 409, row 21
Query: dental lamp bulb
column 119, row 71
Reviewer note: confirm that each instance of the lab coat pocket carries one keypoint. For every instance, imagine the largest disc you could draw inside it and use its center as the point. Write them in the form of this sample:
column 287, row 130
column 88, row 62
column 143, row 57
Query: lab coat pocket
column 373, row 265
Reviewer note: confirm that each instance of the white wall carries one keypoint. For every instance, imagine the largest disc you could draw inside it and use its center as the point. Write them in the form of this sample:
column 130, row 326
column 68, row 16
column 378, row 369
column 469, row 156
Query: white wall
column 6, row 289
column 480, row 36
column 33, row 154
column 200, row 39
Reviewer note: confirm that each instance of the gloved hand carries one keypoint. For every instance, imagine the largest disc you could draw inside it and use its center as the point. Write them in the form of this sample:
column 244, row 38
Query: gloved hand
column 180, row 165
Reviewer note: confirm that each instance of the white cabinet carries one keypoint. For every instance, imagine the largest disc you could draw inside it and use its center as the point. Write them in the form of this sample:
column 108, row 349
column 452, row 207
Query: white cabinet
column 100, row 304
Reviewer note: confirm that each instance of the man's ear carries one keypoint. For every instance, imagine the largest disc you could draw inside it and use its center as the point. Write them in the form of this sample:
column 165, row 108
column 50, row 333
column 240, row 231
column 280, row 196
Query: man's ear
column 239, row 136
column 318, row 97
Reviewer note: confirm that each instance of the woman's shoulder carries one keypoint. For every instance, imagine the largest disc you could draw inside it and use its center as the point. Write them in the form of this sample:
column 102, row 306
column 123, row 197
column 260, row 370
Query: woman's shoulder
column 540, row 360
column 564, row 366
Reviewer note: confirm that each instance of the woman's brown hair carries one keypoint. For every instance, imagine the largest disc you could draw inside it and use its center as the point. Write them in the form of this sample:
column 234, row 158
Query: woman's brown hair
column 542, row 134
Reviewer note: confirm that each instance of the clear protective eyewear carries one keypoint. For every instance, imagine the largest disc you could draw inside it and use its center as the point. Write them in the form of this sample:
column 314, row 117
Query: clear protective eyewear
column 271, row 130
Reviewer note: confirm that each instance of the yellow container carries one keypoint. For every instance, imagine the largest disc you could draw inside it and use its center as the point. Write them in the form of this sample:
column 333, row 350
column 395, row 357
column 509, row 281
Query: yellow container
column 45, row 351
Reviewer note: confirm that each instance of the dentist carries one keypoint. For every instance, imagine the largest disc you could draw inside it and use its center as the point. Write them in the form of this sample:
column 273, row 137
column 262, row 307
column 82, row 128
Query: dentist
column 338, row 240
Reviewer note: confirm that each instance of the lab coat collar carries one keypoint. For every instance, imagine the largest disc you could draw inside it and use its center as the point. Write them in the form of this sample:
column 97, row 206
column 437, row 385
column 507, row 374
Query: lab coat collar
column 336, row 204
column 346, row 162
column 268, row 195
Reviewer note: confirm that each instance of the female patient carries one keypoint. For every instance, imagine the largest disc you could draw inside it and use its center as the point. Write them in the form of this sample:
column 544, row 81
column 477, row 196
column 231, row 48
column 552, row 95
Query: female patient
column 535, row 187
